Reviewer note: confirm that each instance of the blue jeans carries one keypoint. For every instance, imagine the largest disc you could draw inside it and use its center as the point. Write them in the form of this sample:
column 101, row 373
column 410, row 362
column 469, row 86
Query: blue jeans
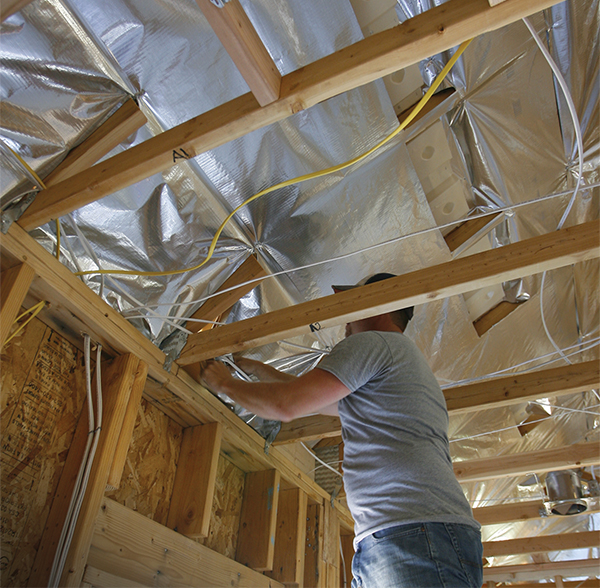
column 420, row 555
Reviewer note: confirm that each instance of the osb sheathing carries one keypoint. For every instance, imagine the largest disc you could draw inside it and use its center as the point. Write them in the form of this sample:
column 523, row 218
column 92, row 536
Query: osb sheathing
column 42, row 395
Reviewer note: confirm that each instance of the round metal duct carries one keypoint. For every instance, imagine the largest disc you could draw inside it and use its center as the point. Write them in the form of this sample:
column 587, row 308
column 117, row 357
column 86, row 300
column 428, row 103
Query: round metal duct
column 564, row 492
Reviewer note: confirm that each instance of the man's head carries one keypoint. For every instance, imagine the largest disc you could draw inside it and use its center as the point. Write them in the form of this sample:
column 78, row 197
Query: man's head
column 399, row 318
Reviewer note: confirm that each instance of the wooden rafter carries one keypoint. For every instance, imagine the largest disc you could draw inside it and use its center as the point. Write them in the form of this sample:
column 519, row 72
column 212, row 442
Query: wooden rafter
column 426, row 34
column 216, row 306
column 564, row 541
column 477, row 396
column 11, row 6
column 120, row 125
column 240, row 39
column 517, row 260
column 522, row 464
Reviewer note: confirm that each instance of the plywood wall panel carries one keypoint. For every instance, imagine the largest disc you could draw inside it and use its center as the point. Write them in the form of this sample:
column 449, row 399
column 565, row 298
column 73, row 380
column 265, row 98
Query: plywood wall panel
column 149, row 473
column 42, row 397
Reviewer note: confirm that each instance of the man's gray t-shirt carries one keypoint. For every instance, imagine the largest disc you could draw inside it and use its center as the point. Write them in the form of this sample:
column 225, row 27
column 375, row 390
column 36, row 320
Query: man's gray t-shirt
column 397, row 466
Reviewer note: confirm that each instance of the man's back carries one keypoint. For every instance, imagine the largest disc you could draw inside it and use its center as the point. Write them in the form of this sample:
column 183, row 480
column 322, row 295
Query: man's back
column 397, row 467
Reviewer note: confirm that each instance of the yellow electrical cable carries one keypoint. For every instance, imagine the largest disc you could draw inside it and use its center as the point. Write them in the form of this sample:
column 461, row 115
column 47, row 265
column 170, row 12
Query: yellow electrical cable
column 34, row 310
column 300, row 179
column 43, row 186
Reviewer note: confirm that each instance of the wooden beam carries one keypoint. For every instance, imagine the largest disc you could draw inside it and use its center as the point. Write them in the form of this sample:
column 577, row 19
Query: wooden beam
column 112, row 132
column 432, row 32
column 216, row 306
column 240, row 39
column 313, row 562
column 11, row 6
column 493, row 316
column 117, row 383
column 520, row 511
column 521, row 464
column 96, row 578
column 290, row 538
column 75, row 308
column 136, row 548
column 538, row 571
column 461, row 234
column 14, row 285
column 544, row 543
column 431, row 104
column 517, row 260
column 348, row 551
column 126, row 433
column 194, row 487
column 513, row 389
column 258, row 519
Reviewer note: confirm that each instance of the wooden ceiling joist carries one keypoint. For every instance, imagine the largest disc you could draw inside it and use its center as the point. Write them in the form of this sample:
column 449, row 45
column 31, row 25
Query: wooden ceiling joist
column 519, row 511
column 540, row 571
column 541, row 544
column 523, row 464
column 517, row 260
column 240, row 39
column 432, row 32
column 513, row 389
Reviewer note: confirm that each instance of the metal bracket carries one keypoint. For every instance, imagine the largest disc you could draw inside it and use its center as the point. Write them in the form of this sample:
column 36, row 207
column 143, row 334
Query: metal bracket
column 219, row 3
column 335, row 492
column 271, row 437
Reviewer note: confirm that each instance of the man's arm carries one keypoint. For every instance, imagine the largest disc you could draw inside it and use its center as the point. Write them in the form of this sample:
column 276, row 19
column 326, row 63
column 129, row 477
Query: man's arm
column 283, row 400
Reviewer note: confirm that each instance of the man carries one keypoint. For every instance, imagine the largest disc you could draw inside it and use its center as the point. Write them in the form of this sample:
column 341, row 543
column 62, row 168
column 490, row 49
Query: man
column 413, row 525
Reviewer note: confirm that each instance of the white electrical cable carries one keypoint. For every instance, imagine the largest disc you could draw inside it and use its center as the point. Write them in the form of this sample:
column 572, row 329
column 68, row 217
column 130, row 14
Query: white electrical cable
column 363, row 250
column 53, row 580
column 577, row 126
column 343, row 563
column 83, row 478
column 590, row 345
column 321, row 461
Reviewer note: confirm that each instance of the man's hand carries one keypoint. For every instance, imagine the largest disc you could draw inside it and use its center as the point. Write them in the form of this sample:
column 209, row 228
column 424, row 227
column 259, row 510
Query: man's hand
column 262, row 371
column 216, row 376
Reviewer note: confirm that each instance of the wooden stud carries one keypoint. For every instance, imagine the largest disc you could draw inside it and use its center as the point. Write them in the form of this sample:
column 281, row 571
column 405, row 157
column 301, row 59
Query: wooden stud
column 116, row 470
column 331, row 537
column 314, row 574
column 346, row 567
column 521, row 464
column 117, row 382
column 518, row 511
column 14, row 285
column 240, row 39
column 290, row 538
column 120, row 125
column 436, row 30
column 216, row 306
column 131, row 546
column 258, row 520
column 194, row 487
column 544, row 543
column 525, row 258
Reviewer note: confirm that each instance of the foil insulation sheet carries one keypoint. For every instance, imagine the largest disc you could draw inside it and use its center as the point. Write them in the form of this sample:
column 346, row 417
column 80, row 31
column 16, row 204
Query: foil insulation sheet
column 68, row 64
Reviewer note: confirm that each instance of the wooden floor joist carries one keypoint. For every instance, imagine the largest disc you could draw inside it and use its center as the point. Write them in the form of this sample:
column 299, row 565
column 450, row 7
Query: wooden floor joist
column 517, row 260
column 432, row 32
column 504, row 391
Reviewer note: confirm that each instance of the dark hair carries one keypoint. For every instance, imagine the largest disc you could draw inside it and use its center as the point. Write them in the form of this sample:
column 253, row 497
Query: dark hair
column 399, row 317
